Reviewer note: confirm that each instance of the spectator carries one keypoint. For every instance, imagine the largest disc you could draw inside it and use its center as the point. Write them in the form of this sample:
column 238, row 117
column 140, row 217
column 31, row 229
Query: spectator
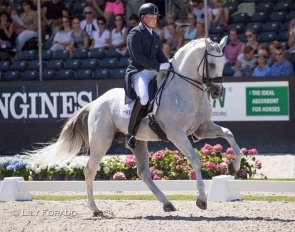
column 159, row 30
column 100, row 38
column 190, row 32
column 119, row 33
column 200, row 31
column 251, row 40
column 272, row 58
column 262, row 68
column 7, row 35
column 281, row 67
column 29, row 29
column 166, row 50
column 291, row 36
column 132, row 7
column 113, row 7
column 170, row 18
column 198, row 9
column 97, row 7
column 5, row 7
column 89, row 24
column 245, row 63
column 52, row 13
column 62, row 39
column 181, row 8
column 79, row 37
column 218, row 14
column 133, row 21
column 232, row 50
column 176, row 39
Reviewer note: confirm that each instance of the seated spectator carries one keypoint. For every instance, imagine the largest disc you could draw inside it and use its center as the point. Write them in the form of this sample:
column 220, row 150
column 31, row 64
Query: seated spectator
column 245, row 63
column 251, row 41
column 166, row 50
column 291, row 36
column 29, row 29
column 272, row 59
column 97, row 7
column 5, row 7
column 133, row 21
column 170, row 18
column 79, row 37
column 89, row 24
column 62, row 39
column 112, row 8
column 190, row 32
column 176, row 39
column 100, row 38
column 7, row 35
column 218, row 14
column 119, row 33
column 52, row 13
column 281, row 67
column 262, row 68
column 200, row 31
column 198, row 10
column 159, row 30
column 232, row 50
column 132, row 7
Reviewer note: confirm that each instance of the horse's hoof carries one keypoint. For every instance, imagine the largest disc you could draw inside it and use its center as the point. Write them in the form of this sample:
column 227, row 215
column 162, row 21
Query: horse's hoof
column 201, row 204
column 169, row 208
column 97, row 213
column 231, row 169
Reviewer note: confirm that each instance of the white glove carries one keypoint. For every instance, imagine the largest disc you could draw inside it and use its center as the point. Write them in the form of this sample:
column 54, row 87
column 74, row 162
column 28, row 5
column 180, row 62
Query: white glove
column 164, row 66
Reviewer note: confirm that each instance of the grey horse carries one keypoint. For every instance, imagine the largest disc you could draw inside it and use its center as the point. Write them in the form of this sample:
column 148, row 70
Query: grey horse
column 184, row 110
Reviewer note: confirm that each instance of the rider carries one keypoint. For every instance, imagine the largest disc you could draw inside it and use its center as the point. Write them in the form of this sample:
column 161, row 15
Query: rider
column 146, row 59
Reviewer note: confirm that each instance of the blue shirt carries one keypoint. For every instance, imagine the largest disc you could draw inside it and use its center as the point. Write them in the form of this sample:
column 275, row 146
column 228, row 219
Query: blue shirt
column 258, row 73
column 282, row 69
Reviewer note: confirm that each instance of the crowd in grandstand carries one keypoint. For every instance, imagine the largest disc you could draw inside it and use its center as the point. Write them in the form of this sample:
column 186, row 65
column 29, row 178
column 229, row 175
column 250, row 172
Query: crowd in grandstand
column 254, row 48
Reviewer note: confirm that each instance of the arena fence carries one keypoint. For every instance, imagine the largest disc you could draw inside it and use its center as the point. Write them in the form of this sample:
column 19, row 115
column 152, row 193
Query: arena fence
column 220, row 188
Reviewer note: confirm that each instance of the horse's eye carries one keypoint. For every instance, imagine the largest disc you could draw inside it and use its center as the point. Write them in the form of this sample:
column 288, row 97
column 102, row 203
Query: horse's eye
column 212, row 65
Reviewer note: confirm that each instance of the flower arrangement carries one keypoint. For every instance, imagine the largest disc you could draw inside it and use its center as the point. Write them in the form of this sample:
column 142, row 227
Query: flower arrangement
column 164, row 165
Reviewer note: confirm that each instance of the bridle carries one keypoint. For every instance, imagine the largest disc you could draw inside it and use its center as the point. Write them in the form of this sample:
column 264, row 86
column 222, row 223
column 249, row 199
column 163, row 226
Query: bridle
column 205, row 79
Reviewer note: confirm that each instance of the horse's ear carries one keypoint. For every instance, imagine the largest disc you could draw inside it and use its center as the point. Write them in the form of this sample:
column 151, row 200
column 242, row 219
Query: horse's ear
column 208, row 45
column 223, row 42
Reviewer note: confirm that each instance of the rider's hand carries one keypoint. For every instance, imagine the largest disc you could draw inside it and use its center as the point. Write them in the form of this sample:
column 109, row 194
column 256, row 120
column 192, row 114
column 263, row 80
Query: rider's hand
column 164, row 66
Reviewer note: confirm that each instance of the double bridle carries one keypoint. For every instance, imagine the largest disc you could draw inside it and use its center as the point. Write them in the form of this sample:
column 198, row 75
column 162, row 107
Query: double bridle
column 205, row 79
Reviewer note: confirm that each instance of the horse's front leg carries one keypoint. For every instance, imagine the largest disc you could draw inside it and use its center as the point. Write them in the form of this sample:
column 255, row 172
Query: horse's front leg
column 181, row 141
column 142, row 160
column 212, row 130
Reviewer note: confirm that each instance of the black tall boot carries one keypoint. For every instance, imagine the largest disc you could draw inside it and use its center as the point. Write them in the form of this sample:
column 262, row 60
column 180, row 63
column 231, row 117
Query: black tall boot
column 136, row 116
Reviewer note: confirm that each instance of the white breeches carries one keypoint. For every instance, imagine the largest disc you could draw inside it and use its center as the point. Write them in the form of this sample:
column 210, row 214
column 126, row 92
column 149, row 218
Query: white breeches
column 141, row 82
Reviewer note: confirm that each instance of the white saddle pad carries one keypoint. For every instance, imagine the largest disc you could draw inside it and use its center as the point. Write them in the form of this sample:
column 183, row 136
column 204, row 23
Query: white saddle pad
column 126, row 109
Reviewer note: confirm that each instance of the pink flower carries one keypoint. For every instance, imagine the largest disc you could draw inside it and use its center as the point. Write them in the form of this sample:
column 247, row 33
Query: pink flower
column 164, row 178
column 119, row 176
column 192, row 175
column 223, row 169
column 218, row 147
column 205, row 151
column 178, row 168
column 253, row 151
column 258, row 164
column 158, row 155
column 130, row 161
column 229, row 151
column 156, row 177
column 207, row 146
column 152, row 169
column 244, row 150
column 180, row 161
column 186, row 168
column 158, row 173
column 175, row 152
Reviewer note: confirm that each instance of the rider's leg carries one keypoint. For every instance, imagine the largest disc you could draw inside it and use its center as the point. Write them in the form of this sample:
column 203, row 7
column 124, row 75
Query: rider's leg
column 140, row 83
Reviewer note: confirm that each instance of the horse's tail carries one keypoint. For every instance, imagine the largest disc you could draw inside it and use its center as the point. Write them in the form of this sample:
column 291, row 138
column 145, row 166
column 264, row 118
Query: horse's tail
column 73, row 138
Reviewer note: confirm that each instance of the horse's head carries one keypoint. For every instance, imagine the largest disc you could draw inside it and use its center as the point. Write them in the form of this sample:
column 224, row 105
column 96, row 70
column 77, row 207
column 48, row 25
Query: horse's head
column 200, row 63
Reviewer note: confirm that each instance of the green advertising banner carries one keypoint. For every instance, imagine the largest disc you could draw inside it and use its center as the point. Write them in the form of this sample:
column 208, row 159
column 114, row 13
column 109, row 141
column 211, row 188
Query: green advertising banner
column 267, row 101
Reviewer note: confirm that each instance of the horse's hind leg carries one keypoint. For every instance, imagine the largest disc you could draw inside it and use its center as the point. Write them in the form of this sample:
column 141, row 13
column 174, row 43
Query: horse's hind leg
column 142, row 159
column 98, row 148
column 212, row 130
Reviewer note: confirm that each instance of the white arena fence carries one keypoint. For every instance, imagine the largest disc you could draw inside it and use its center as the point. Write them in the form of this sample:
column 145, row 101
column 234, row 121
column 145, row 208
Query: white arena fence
column 220, row 188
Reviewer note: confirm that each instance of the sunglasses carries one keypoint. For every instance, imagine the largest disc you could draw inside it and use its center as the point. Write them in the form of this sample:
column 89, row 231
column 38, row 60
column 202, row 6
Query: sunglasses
column 262, row 57
column 88, row 12
column 100, row 23
column 249, row 36
column 278, row 54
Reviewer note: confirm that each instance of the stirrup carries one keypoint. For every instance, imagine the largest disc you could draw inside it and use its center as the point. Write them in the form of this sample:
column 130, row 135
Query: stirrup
column 130, row 141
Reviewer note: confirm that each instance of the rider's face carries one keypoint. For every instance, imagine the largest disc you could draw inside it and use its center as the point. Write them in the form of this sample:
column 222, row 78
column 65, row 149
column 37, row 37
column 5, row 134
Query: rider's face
column 150, row 20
